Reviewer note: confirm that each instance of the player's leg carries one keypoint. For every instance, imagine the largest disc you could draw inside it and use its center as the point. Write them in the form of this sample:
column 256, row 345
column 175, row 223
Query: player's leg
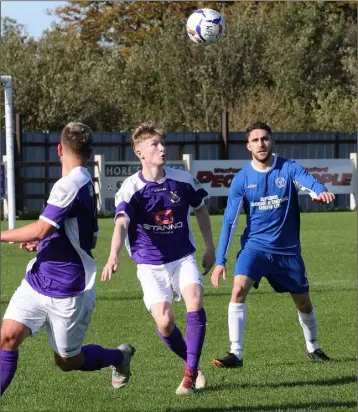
column 290, row 276
column 69, row 319
column 158, row 297
column 187, row 282
column 12, row 335
column 166, row 328
column 248, row 266
column 24, row 316
column 308, row 321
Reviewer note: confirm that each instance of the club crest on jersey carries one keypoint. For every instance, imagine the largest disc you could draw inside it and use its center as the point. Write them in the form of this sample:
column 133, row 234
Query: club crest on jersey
column 174, row 198
column 280, row 182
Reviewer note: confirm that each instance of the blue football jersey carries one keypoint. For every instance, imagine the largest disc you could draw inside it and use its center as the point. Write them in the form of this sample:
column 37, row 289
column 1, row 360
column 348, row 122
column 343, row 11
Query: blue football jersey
column 270, row 200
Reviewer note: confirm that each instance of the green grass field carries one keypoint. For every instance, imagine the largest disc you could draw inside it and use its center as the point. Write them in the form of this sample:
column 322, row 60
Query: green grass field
column 276, row 375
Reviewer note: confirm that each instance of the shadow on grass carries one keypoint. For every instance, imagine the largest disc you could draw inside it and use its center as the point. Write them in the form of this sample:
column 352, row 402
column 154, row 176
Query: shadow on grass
column 333, row 289
column 324, row 382
column 333, row 360
column 327, row 406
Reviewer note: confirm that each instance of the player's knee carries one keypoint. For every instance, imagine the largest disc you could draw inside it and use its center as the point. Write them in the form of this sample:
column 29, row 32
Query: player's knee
column 303, row 303
column 304, row 306
column 65, row 364
column 165, row 324
column 239, row 293
column 194, row 304
column 9, row 340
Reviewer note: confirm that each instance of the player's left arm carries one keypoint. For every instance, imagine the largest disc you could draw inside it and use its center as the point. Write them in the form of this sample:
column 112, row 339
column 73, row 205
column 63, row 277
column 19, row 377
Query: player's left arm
column 30, row 233
column 203, row 218
column 306, row 181
column 196, row 195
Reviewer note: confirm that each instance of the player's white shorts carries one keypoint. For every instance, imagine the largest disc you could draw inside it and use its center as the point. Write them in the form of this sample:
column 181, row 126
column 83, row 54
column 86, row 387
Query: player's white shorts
column 65, row 319
column 160, row 282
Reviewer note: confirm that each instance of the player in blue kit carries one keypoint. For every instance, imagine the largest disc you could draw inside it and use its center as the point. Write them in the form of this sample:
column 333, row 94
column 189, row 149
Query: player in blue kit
column 58, row 290
column 267, row 191
column 152, row 219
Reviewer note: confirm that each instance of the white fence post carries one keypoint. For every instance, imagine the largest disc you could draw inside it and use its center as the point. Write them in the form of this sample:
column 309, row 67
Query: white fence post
column 353, row 196
column 98, row 184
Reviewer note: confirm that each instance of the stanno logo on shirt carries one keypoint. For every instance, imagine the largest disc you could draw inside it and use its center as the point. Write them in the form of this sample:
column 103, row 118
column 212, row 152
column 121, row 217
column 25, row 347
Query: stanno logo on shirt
column 174, row 198
column 160, row 190
column 165, row 224
column 251, row 186
column 280, row 182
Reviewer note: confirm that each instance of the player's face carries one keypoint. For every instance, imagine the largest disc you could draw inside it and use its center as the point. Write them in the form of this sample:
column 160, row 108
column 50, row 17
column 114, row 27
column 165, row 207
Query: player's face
column 151, row 151
column 260, row 145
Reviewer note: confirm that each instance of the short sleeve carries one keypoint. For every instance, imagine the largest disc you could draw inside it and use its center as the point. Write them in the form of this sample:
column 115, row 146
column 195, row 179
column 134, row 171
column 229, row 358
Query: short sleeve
column 60, row 203
column 124, row 202
column 197, row 194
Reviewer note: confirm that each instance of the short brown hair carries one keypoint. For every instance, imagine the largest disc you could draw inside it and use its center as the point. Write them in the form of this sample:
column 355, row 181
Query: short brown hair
column 145, row 131
column 78, row 138
column 258, row 126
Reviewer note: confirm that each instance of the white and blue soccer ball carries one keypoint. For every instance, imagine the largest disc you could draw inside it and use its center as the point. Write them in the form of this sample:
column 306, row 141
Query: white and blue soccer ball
column 205, row 26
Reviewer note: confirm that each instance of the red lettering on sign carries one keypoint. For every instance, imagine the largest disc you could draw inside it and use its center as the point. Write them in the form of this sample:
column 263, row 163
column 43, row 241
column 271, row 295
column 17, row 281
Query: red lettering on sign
column 215, row 179
column 334, row 178
column 204, row 177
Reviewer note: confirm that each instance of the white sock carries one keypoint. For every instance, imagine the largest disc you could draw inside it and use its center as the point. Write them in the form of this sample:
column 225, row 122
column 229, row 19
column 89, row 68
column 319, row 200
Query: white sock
column 237, row 321
column 308, row 321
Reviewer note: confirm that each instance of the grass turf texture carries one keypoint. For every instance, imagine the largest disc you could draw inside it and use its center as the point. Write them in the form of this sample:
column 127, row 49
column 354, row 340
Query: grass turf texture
column 276, row 375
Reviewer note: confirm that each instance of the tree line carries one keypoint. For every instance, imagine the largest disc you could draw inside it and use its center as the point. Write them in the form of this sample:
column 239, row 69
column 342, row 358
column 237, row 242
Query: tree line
column 113, row 65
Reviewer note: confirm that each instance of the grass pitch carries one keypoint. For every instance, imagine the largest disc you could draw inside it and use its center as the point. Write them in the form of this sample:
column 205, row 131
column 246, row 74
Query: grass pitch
column 276, row 375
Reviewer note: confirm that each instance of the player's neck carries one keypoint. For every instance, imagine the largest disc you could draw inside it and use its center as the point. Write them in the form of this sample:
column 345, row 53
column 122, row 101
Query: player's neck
column 70, row 164
column 263, row 165
column 153, row 174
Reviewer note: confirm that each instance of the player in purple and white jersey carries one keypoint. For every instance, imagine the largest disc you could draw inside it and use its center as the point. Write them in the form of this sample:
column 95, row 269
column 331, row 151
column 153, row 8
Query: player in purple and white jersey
column 152, row 218
column 58, row 291
column 267, row 190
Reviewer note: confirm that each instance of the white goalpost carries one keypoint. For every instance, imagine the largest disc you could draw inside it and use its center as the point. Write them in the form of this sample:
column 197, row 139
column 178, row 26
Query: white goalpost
column 6, row 82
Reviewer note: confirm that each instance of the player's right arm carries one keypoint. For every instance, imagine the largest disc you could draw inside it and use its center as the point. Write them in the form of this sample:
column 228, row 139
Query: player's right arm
column 58, row 208
column 231, row 216
column 124, row 203
column 118, row 239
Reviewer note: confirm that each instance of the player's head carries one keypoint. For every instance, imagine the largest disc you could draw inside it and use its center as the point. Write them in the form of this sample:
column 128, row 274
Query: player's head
column 259, row 141
column 148, row 144
column 76, row 141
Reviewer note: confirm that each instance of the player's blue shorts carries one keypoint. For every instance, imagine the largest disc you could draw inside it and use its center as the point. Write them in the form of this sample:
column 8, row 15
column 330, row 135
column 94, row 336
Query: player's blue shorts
column 285, row 273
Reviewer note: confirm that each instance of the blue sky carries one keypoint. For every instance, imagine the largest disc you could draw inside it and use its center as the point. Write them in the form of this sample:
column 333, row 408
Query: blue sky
column 31, row 14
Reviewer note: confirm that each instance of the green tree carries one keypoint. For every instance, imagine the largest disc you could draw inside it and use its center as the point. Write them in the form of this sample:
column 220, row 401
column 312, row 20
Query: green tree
column 124, row 23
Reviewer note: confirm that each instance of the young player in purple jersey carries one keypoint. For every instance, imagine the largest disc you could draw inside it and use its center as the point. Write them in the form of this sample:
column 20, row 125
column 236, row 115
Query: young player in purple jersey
column 267, row 190
column 152, row 219
column 58, row 290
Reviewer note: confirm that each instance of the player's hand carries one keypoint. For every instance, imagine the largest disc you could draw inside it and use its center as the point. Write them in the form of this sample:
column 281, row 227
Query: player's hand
column 218, row 271
column 110, row 268
column 208, row 259
column 324, row 197
column 29, row 246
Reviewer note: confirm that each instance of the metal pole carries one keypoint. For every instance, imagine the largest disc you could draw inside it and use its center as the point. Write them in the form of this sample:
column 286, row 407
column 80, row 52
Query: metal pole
column 225, row 134
column 6, row 81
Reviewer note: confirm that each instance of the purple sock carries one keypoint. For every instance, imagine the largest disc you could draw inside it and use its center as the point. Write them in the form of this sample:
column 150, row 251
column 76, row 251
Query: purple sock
column 8, row 367
column 194, row 337
column 97, row 357
column 175, row 342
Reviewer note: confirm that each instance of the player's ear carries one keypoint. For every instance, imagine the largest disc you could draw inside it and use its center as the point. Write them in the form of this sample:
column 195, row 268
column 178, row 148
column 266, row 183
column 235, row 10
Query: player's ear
column 248, row 147
column 60, row 150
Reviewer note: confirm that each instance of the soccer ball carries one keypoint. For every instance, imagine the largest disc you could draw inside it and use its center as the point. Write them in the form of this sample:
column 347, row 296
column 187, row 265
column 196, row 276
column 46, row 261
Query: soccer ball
column 205, row 26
